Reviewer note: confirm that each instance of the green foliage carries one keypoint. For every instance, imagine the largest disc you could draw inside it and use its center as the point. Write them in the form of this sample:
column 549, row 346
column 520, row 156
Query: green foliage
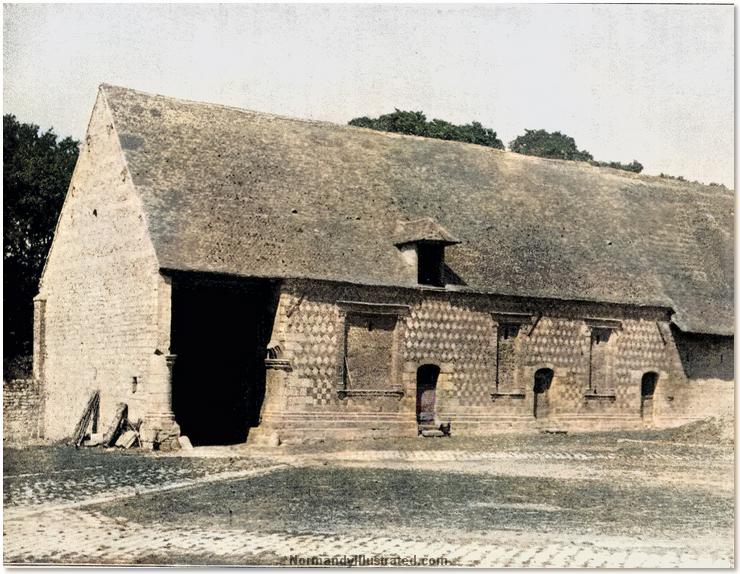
column 682, row 178
column 676, row 177
column 635, row 166
column 553, row 145
column 415, row 123
column 36, row 173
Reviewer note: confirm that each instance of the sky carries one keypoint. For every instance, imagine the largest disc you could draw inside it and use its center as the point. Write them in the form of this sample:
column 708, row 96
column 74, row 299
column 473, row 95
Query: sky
column 648, row 82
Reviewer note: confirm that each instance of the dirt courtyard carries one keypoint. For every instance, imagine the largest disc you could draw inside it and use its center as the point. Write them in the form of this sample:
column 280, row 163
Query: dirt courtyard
column 646, row 499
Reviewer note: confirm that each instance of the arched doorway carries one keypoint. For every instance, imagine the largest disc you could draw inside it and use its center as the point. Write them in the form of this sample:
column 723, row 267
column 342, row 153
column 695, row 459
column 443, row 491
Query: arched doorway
column 541, row 388
column 426, row 393
column 647, row 391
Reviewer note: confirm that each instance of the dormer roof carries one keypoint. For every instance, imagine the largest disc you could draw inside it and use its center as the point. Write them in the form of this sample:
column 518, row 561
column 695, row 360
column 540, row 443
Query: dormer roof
column 423, row 230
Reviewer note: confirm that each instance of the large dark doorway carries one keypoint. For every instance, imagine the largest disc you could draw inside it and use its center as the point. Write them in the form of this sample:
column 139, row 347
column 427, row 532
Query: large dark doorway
column 220, row 330
column 541, row 388
column 426, row 393
column 647, row 391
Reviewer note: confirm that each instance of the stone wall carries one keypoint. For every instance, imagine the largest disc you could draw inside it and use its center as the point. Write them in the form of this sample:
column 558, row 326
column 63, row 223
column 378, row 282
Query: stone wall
column 706, row 357
column 96, row 312
column 705, row 371
column 459, row 333
column 22, row 411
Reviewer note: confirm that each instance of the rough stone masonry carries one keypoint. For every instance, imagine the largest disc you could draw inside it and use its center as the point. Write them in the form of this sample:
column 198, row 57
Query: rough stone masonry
column 236, row 276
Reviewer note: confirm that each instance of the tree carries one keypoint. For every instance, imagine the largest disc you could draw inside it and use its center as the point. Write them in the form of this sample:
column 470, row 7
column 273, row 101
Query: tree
column 36, row 173
column 554, row 145
column 635, row 166
column 415, row 123
column 411, row 123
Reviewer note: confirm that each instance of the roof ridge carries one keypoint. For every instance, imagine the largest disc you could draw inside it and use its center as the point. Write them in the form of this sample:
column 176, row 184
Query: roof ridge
column 573, row 164
column 223, row 106
column 294, row 118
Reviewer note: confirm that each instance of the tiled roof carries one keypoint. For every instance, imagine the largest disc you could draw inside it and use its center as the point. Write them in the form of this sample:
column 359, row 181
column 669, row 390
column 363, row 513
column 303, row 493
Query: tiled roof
column 239, row 192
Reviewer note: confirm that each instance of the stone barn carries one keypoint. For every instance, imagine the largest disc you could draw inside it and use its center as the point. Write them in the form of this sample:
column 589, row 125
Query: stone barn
column 237, row 276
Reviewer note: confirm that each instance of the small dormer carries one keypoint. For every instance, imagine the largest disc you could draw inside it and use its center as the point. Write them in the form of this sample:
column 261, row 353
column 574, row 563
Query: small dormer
column 422, row 243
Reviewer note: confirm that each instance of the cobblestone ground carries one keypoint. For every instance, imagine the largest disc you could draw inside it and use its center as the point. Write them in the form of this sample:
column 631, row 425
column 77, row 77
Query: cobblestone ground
column 53, row 516
column 550, row 455
column 79, row 537
column 59, row 486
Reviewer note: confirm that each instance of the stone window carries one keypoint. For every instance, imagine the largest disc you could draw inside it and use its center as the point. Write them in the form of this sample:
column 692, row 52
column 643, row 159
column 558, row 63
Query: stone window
column 601, row 353
column 422, row 244
column 599, row 358
column 506, row 354
column 508, row 331
column 369, row 351
column 430, row 264
column 370, row 363
column 507, row 348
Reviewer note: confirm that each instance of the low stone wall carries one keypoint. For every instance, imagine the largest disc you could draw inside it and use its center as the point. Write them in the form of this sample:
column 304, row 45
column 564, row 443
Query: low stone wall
column 22, row 410
column 699, row 399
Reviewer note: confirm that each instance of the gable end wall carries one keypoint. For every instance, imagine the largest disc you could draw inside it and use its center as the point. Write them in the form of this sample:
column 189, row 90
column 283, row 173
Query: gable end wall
column 98, row 291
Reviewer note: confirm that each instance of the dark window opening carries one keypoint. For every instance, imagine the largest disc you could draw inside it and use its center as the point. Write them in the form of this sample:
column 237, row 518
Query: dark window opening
column 220, row 332
column 599, row 336
column 430, row 260
column 509, row 331
column 649, row 382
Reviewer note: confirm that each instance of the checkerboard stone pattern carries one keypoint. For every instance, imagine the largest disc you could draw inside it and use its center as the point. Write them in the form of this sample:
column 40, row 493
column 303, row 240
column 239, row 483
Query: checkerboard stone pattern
column 560, row 344
column 462, row 339
column 557, row 342
column 314, row 328
column 639, row 347
column 440, row 332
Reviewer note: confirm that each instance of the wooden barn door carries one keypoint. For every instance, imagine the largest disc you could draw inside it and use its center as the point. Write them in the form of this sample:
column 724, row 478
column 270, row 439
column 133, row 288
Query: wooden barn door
column 426, row 393
column 541, row 388
column 647, row 392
